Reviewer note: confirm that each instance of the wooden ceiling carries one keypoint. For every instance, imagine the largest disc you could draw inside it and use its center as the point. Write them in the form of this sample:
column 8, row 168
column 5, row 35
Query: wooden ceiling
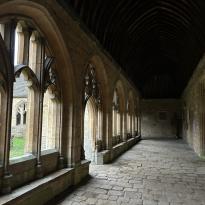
column 158, row 43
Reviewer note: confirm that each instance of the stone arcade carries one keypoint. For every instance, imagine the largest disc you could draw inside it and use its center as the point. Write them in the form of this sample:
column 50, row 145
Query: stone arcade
column 114, row 89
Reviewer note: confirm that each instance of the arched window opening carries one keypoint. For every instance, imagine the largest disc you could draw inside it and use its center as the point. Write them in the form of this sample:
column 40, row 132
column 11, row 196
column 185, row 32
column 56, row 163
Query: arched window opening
column 23, row 126
column 92, row 141
column 50, row 121
column 19, row 44
column 90, row 130
column 19, row 124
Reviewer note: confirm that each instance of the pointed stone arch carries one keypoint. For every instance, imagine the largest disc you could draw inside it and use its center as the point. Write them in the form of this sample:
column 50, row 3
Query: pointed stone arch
column 101, row 80
column 40, row 16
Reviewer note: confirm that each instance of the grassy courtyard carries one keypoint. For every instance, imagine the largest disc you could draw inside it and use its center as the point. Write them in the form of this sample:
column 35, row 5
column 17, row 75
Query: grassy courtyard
column 17, row 149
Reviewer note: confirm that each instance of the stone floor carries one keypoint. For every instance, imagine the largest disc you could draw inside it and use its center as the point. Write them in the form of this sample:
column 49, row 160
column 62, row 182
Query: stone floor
column 161, row 172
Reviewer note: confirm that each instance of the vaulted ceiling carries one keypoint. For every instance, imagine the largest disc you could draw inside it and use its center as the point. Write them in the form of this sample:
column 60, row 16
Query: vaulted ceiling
column 158, row 43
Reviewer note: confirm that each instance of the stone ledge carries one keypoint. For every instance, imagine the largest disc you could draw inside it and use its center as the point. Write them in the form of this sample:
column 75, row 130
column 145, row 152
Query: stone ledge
column 42, row 190
column 21, row 195
column 81, row 171
column 107, row 156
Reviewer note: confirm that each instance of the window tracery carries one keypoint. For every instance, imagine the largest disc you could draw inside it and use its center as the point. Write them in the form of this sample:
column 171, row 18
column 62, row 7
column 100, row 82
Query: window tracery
column 31, row 80
column 92, row 91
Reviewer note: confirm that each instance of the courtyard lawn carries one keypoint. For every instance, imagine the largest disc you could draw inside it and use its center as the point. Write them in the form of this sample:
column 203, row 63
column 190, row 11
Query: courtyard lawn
column 18, row 147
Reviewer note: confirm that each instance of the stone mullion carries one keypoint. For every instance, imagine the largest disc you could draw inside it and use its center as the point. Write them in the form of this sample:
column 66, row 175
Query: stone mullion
column 10, row 44
column 21, row 42
column 39, row 170
column 3, row 108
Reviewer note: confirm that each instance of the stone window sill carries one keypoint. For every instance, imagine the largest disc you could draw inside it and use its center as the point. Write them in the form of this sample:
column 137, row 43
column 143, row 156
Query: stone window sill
column 9, row 198
column 49, row 151
column 24, row 158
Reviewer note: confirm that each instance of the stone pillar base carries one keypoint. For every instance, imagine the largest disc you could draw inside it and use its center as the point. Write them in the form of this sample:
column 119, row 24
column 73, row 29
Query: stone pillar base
column 61, row 162
column 39, row 170
column 6, row 184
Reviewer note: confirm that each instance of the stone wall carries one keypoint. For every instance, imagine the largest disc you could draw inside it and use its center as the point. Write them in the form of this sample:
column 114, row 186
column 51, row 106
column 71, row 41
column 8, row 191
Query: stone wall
column 193, row 103
column 160, row 118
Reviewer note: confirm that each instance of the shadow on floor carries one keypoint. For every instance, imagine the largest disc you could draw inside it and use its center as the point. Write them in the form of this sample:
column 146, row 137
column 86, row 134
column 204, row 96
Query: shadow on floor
column 61, row 197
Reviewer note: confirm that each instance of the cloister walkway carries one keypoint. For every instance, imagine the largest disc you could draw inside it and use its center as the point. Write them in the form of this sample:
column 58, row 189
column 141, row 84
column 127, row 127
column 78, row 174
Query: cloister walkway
column 154, row 172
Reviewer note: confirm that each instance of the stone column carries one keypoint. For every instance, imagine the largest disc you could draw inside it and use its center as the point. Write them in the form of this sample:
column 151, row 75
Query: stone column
column 39, row 169
column 10, row 44
column 99, row 147
column 202, row 118
column 124, row 131
column 61, row 158
column 109, row 129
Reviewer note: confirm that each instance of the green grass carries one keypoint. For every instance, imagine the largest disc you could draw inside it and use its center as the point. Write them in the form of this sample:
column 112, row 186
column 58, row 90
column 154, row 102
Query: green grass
column 17, row 149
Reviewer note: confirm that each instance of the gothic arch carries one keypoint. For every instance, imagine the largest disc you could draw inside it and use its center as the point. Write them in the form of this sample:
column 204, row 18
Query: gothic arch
column 41, row 17
column 92, row 111
column 102, row 79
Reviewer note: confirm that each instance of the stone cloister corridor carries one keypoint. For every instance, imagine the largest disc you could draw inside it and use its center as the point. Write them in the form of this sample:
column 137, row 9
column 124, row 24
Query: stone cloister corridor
column 102, row 102
column 153, row 172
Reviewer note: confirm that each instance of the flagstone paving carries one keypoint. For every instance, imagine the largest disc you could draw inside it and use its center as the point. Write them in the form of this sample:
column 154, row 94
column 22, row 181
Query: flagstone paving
column 154, row 172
